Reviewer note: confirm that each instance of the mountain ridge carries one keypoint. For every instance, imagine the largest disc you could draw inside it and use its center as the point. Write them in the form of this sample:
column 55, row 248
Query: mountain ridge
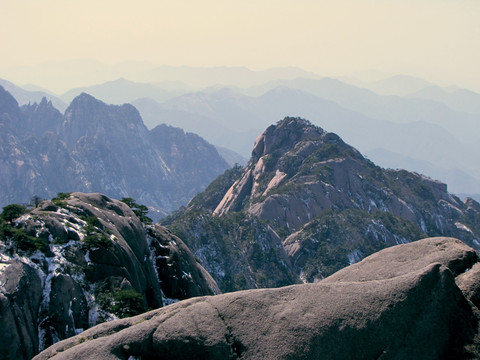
column 311, row 197
column 95, row 147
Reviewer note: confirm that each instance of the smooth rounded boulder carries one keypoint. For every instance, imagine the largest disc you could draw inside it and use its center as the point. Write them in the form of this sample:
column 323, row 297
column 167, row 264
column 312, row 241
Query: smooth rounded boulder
column 411, row 310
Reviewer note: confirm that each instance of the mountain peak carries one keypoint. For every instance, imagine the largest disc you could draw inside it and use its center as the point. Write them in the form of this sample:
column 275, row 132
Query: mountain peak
column 293, row 151
column 87, row 115
column 8, row 104
column 284, row 136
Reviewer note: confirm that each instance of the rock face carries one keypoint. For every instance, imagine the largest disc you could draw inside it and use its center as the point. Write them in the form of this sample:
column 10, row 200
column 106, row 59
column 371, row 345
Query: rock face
column 96, row 147
column 82, row 259
column 325, row 206
column 401, row 303
column 20, row 297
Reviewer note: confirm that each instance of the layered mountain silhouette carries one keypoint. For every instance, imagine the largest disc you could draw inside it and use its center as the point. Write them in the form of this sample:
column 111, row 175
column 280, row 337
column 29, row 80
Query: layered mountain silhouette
column 428, row 132
column 432, row 129
column 95, row 147
column 308, row 204
column 25, row 97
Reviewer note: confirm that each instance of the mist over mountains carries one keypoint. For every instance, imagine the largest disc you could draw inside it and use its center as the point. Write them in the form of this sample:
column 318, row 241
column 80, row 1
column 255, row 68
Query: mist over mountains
column 399, row 122
column 95, row 147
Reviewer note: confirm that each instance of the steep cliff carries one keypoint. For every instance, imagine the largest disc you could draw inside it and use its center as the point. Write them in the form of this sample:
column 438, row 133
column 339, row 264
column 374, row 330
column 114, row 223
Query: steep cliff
column 83, row 259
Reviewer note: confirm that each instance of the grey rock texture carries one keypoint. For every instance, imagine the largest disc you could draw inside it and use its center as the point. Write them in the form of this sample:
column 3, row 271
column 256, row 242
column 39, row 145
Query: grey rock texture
column 20, row 297
column 402, row 303
column 98, row 262
column 180, row 274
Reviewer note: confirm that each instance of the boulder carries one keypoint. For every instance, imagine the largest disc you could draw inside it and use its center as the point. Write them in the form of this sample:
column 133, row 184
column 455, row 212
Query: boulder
column 404, row 258
column 20, row 297
column 401, row 303
column 180, row 273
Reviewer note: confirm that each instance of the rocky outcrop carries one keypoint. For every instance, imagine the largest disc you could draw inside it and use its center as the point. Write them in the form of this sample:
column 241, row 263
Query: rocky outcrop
column 20, row 297
column 180, row 273
column 402, row 303
column 298, row 170
column 95, row 147
column 83, row 259
column 328, row 205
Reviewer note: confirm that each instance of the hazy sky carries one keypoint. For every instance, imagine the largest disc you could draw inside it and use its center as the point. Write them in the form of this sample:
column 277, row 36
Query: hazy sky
column 434, row 39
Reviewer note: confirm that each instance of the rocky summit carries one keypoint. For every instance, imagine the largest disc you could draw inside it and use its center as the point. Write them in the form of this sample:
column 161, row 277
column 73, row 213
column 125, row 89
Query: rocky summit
column 95, row 147
column 307, row 205
column 82, row 259
column 410, row 301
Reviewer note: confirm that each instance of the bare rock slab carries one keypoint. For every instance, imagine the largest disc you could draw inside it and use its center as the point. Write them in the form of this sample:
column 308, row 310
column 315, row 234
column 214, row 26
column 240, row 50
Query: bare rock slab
column 415, row 310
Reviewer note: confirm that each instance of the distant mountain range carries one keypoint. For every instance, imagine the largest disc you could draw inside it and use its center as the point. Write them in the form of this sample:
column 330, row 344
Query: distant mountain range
column 31, row 96
column 399, row 122
column 95, row 147
column 424, row 133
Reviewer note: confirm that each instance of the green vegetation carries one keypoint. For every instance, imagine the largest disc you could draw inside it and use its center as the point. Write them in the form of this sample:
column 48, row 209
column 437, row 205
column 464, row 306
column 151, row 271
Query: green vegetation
column 92, row 222
column 12, row 211
column 233, row 240
column 140, row 210
column 97, row 240
column 18, row 237
column 29, row 243
column 123, row 303
column 59, row 200
column 333, row 235
column 95, row 236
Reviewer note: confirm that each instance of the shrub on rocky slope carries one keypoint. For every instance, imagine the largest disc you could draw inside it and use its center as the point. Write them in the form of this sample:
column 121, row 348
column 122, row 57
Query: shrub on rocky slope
column 82, row 259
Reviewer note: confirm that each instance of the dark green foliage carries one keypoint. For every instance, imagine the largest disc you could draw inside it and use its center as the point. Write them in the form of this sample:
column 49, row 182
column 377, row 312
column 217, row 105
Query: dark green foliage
column 63, row 196
column 59, row 203
column 127, row 303
column 123, row 303
column 60, row 241
column 29, row 243
column 18, row 238
column 95, row 236
column 97, row 240
column 93, row 221
column 59, row 200
column 233, row 240
column 21, row 240
column 140, row 210
column 12, row 211
column 6, row 230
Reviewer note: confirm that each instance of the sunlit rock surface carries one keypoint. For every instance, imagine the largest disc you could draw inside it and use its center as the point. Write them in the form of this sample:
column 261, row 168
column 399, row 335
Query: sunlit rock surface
column 401, row 303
